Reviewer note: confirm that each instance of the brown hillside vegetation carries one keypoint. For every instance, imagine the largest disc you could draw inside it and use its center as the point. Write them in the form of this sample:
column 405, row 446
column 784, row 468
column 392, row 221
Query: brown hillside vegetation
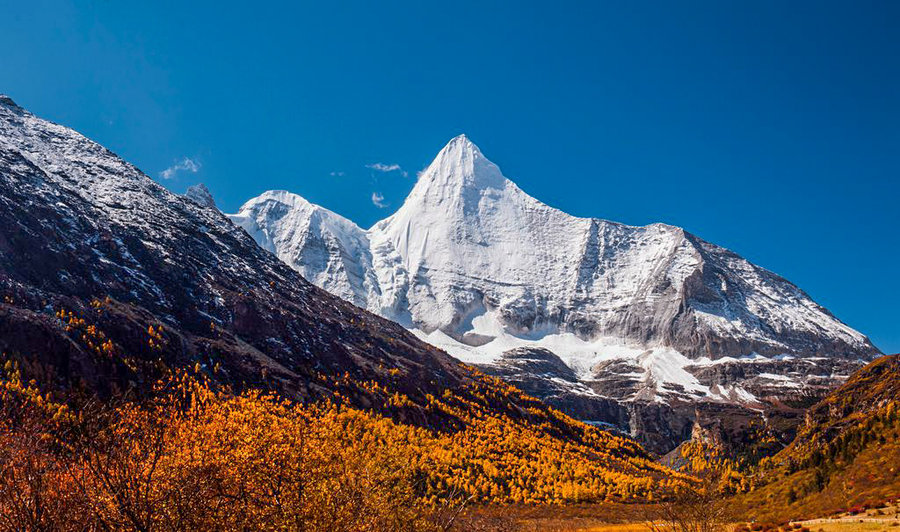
column 846, row 455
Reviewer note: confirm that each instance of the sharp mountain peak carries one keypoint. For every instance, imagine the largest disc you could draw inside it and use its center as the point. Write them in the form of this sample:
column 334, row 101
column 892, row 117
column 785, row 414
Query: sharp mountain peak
column 460, row 166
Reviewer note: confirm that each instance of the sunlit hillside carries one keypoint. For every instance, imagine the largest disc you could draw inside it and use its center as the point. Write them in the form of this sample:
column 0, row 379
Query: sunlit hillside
column 847, row 455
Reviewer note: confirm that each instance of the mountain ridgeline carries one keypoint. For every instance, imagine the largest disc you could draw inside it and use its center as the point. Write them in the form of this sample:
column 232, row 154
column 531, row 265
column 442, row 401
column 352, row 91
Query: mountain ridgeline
column 649, row 329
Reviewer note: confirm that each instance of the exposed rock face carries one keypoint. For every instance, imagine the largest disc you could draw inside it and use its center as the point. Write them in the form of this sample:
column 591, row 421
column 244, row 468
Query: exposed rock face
column 751, row 393
column 541, row 373
column 650, row 320
column 534, row 361
column 785, row 379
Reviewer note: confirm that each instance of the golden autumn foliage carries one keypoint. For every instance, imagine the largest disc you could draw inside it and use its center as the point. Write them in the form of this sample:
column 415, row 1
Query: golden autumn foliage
column 705, row 506
column 710, row 463
column 193, row 458
column 540, row 456
column 856, row 462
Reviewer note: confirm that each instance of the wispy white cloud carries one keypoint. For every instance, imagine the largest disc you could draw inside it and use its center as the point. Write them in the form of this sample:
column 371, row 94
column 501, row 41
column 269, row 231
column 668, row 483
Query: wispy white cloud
column 378, row 200
column 336, row 174
column 382, row 167
column 185, row 165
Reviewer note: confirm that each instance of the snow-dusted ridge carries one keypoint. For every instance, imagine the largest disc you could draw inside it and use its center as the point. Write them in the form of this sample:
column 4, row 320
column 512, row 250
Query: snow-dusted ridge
column 328, row 249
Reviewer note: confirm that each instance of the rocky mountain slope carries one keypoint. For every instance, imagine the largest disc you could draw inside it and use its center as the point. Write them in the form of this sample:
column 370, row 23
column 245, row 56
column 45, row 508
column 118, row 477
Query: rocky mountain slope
column 647, row 322
column 846, row 453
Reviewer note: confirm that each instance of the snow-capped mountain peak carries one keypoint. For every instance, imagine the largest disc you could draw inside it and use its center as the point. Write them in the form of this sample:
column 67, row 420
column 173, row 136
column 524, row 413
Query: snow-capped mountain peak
column 478, row 267
column 464, row 217
column 454, row 184
column 471, row 255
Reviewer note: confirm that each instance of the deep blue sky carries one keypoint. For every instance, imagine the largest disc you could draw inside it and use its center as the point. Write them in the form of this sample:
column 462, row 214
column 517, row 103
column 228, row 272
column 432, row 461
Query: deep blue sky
column 772, row 128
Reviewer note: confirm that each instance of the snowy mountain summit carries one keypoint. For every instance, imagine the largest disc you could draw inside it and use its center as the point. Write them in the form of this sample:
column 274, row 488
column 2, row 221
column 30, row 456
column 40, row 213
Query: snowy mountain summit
column 652, row 314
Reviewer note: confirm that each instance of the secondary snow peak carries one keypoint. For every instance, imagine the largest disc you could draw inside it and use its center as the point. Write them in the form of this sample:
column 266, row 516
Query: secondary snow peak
column 200, row 195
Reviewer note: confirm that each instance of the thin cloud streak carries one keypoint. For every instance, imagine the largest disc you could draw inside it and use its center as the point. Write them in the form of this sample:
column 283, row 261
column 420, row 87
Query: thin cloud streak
column 385, row 168
column 185, row 165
